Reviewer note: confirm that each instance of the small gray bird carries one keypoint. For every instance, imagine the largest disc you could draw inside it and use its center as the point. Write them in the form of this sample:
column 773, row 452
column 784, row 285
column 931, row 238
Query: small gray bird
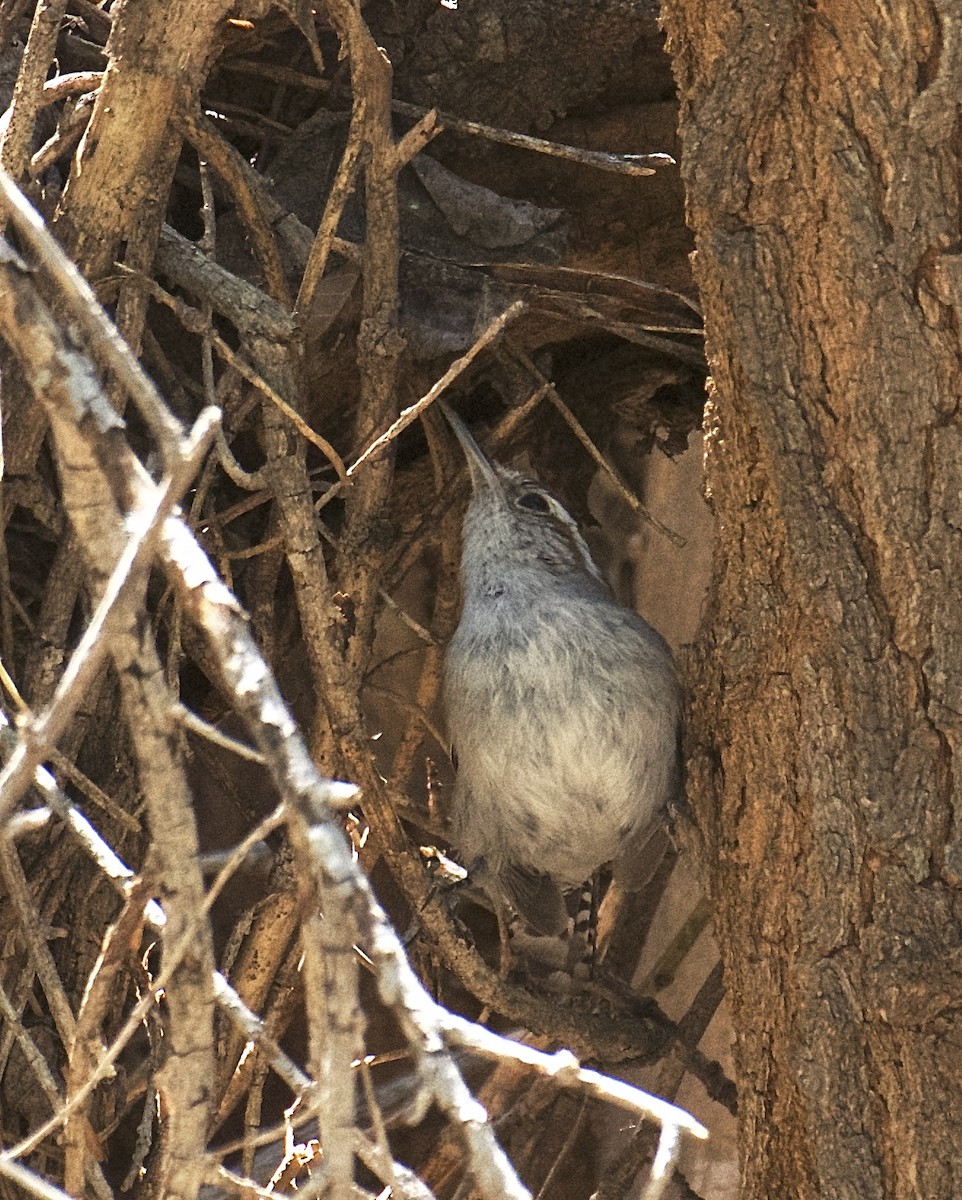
column 563, row 708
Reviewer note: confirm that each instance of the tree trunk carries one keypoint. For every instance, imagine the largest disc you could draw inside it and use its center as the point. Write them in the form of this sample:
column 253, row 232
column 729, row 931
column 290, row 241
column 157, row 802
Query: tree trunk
column 822, row 165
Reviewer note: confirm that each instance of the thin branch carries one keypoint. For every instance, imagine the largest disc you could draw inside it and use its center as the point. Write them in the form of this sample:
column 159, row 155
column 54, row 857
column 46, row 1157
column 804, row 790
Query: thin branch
column 566, row 1071
column 35, row 940
column 622, row 164
column 195, row 322
column 414, row 709
column 570, row 1139
column 74, row 84
column 280, row 74
column 119, row 874
column 104, row 1067
column 581, row 434
column 337, row 197
column 277, row 1016
column 98, row 329
column 78, row 825
column 36, row 1061
column 416, row 138
column 663, row 972
column 405, row 617
column 252, row 1027
column 394, row 1175
column 71, row 772
column 69, row 131
column 32, row 1184
column 237, row 855
column 380, row 342
column 669, row 1144
column 211, row 734
column 28, row 90
column 235, row 171
column 487, row 338
column 114, row 610
column 249, row 481
column 82, row 1050
column 249, row 308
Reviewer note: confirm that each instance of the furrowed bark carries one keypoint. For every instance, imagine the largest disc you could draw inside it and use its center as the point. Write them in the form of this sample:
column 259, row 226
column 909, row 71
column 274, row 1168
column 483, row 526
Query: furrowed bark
column 822, row 168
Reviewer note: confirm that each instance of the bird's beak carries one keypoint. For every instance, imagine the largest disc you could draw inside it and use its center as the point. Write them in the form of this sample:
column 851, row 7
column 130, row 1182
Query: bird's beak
column 483, row 475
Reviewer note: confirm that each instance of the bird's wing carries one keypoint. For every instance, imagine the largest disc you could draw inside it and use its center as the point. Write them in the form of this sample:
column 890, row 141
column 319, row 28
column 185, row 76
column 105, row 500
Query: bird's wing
column 641, row 856
column 537, row 898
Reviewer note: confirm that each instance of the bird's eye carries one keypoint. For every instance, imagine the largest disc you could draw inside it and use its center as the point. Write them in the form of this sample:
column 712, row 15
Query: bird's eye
column 534, row 501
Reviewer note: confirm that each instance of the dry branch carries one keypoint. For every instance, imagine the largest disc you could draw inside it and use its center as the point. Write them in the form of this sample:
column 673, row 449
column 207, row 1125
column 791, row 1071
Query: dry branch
column 485, row 339
column 127, row 163
column 118, row 575
column 621, row 164
column 380, row 343
column 236, row 172
column 28, row 90
column 340, row 582
column 88, row 431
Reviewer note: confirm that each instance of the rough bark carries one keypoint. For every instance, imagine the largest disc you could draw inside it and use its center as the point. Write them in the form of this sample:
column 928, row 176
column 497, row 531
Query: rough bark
column 159, row 55
column 821, row 156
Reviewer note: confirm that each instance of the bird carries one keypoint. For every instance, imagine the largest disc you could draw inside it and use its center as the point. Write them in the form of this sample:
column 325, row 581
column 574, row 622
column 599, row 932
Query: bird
column 563, row 707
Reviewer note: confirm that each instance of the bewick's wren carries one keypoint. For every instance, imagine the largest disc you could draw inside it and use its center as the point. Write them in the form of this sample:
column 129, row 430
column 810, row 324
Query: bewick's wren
column 563, row 707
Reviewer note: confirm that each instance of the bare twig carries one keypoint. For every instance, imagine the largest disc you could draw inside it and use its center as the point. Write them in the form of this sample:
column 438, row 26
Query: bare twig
column 253, row 1029
column 249, row 481
column 622, row 164
column 68, row 133
column 416, row 710
column 37, row 1062
column 663, row 972
column 205, row 730
column 91, row 841
column 195, row 321
column 277, row 1017
column 28, row 90
column 92, row 320
column 579, row 431
column 94, row 794
column 416, row 138
column 104, row 1067
column 124, row 880
column 458, row 367
column 110, row 189
column 570, row 1139
column 84, row 1048
column 380, row 342
column 35, row 937
column 115, row 609
column 76, row 84
column 234, row 170
column 31, row 1183
column 564, row 1068
column 275, row 71
column 669, row 1144
column 250, row 308
column 337, row 197
column 416, row 628
column 605, row 285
